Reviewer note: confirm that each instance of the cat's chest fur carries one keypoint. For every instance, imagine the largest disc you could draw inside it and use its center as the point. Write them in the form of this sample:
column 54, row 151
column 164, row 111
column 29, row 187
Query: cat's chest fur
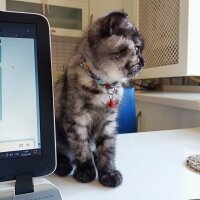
column 106, row 95
column 90, row 92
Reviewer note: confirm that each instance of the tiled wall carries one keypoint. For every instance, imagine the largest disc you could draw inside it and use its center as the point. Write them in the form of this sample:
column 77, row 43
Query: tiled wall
column 62, row 50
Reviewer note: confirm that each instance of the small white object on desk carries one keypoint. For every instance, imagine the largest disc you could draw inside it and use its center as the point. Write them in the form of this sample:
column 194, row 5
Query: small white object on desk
column 153, row 168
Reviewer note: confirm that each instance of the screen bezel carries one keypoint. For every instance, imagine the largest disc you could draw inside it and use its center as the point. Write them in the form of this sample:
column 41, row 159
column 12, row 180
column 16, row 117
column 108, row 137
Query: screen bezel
column 44, row 164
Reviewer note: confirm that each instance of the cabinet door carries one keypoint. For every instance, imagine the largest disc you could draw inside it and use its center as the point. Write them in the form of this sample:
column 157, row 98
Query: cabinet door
column 3, row 5
column 155, row 117
column 66, row 17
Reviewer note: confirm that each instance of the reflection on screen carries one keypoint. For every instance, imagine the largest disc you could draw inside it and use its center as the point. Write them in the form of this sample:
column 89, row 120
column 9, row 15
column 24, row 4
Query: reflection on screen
column 19, row 106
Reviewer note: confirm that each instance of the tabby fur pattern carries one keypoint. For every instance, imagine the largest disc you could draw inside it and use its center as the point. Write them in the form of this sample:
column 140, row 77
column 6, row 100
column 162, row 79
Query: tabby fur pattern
column 85, row 124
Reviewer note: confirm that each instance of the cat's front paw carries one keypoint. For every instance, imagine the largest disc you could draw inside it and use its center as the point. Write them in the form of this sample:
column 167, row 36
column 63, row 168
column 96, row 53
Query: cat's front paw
column 64, row 166
column 111, row 178
column 85, row 174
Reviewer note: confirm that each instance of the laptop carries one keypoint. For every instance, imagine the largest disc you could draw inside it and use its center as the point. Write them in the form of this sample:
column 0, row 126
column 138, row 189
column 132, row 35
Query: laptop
column 27, row 136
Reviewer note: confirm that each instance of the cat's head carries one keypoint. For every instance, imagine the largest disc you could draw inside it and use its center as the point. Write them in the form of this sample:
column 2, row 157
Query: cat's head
column 116, row 46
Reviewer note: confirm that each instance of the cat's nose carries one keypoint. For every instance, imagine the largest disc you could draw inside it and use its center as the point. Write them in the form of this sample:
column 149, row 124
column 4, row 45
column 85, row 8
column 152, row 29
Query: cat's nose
column 141, row 61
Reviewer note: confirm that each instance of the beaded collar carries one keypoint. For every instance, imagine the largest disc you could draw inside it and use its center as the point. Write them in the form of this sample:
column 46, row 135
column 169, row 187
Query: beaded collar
column 110, row 88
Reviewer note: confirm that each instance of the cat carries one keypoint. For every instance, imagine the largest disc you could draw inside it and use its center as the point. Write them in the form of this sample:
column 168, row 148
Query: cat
column 88, row 96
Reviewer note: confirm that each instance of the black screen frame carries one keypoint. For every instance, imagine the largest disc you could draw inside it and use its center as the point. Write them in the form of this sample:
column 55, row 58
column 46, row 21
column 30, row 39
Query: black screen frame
column 44, row 164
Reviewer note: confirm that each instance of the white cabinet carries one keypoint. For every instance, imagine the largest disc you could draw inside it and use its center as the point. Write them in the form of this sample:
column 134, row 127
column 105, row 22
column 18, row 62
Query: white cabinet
column 99, row 8
column 69, row 17
column 167, row 110
column 131, row 7
column 66, row 17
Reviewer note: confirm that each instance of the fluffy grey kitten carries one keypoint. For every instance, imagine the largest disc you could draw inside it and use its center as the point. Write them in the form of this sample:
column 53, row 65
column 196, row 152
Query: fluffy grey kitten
column 88, row 96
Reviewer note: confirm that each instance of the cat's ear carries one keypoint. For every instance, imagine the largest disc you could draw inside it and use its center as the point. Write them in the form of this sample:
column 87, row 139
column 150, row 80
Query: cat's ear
column 111, row 23
column 105, row 27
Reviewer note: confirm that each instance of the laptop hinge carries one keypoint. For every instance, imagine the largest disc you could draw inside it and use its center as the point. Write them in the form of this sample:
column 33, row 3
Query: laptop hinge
column 24, row 184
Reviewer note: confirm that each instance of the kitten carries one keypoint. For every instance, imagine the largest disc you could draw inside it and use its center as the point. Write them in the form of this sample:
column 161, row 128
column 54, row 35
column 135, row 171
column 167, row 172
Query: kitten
column 88, row 96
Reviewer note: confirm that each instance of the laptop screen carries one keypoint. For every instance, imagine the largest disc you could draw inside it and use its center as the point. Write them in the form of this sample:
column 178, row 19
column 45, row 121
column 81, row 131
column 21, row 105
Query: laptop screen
column 19, row 103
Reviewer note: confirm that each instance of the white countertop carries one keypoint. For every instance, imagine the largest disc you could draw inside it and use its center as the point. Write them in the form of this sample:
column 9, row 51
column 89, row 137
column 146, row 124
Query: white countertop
column 153, row 167
column 186, row 100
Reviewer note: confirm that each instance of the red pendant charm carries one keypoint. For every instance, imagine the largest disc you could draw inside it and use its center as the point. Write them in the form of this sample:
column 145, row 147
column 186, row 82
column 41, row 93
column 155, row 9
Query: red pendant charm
column 112, row 103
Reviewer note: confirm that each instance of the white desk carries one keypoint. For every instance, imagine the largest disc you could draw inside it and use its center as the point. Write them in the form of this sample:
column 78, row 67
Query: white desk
column 153, row 167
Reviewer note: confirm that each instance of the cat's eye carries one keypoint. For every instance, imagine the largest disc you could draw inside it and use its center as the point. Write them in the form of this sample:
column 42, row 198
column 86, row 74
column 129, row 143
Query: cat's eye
column 116, row 53
column 123, row 50
column 120, row 52
column 137, row 48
